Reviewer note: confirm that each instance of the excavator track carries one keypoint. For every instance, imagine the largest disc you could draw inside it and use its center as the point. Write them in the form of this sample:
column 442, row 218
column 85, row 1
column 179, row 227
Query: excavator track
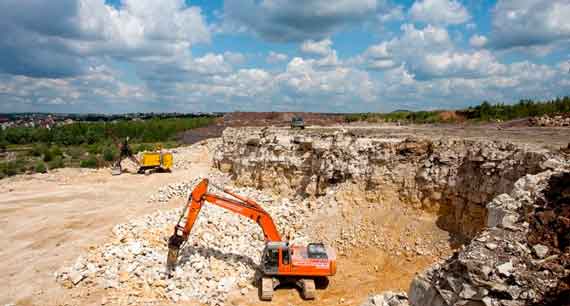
column 307, row 288
column 266, row 288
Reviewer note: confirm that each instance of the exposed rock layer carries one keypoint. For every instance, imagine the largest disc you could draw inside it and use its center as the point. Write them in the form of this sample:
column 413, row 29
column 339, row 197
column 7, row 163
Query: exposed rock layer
column 455, row 178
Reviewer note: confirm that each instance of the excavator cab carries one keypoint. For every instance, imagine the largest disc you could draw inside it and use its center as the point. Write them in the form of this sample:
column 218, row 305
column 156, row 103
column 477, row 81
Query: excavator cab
column 275, row 257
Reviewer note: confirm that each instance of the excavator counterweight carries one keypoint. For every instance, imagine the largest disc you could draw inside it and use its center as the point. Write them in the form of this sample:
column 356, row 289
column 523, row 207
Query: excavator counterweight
column 281, row 262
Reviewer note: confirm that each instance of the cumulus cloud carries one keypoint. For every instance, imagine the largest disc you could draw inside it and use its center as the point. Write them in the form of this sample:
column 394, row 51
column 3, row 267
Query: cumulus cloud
column 322, row 47
column 97, row 89
column 43, row 38
column 439, row 12
column 523, row 23
column 275, row 57
column 478, row 41
column 69, row 55
column 283, row 20
column 429, row 53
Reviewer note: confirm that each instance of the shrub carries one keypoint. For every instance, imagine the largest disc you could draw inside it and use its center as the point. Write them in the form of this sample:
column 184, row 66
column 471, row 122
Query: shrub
column 48, row 156
column 109, row 154
column 3, row 145
column 12, row 167
column 74, row 152
column 56, row 151
column 142, row 147
column 40, row 167
column 91, row 162
column 94, row 149
column 37, row 150
column 57, row 162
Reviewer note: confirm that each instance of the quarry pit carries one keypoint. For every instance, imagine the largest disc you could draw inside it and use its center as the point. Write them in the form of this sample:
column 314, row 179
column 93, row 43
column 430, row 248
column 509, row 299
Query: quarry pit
column 418, row 217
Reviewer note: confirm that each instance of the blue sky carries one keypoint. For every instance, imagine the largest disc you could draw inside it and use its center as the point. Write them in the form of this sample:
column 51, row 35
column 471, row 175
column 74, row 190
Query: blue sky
column 275, row 55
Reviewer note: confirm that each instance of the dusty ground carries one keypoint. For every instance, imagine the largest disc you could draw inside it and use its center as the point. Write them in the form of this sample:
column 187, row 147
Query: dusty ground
column 46, row 221
column 547, row 137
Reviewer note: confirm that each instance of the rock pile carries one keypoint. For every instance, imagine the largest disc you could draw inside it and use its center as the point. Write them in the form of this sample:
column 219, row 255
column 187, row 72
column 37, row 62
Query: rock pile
column 513, row 262
column 184, row 155
column 183, row 189
column 221, row 255
column 387, row 299
column 550, row 121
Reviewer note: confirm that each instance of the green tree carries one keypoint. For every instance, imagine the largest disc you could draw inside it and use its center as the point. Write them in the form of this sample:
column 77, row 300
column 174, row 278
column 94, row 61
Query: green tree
column 109, row 154
column 48, row 155
column 91, row 162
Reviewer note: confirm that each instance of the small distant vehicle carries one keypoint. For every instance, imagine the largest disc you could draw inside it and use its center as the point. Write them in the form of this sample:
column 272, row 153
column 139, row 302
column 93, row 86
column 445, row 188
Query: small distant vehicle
column 155, row 161
column 298, row 122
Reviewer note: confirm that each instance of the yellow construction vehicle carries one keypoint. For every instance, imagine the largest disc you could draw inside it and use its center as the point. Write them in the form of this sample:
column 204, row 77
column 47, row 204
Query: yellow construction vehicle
column 155, row 161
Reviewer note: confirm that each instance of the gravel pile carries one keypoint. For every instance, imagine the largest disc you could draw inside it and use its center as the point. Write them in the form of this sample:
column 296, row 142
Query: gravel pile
column 183, row 155
column 183, row 189
column 221, row 255
column 550, row 121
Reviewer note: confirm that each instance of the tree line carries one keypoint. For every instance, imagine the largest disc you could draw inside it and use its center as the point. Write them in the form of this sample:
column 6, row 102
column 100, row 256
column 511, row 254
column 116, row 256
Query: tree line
column 483, row 112
column 80, row 133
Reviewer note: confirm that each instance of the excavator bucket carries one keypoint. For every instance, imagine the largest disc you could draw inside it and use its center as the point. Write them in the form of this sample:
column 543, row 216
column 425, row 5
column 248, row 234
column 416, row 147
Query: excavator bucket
column 174, row 243
column 115, row 171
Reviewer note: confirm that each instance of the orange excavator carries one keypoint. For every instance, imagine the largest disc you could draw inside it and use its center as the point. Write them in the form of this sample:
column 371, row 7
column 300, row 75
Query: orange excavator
column 280, row 263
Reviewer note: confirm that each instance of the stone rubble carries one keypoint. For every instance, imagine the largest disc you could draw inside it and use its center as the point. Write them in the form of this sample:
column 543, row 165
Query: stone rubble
column 183, row 189
column 387, row 299
column 550, row 121
column 221, row 255
column 511, row 273
column 182, row 155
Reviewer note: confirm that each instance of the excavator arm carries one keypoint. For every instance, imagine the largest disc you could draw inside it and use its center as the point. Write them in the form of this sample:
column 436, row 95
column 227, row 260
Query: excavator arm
column 242, row 205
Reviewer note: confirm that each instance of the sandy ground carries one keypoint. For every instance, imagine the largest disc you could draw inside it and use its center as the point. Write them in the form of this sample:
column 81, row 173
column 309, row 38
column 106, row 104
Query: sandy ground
column 540, row 137
column 48, row 220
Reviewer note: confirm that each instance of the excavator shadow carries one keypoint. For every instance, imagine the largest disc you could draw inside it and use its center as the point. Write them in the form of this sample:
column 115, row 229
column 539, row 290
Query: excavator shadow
column 291, row 283
column 188, row 251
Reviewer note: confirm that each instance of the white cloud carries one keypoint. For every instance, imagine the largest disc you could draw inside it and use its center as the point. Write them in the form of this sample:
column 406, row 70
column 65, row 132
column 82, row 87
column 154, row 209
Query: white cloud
column 466, row 65
column 564, row 66
column 64, row 38
column 274, row 57
column 478, row 41
column 234, row 58
column 322, row 47
column 525, row 23
column 209, row 64
column 439, row 11
column 98, row 90
column 410, row 48
column 140, row 26
column 392, row 14
column 303, row 77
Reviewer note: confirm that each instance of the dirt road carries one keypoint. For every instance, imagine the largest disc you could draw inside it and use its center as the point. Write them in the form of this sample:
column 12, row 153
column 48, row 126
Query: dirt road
column 48, row 220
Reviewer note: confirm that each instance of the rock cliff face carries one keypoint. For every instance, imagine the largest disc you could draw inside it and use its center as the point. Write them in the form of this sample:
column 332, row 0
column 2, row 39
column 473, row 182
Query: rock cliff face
column 454, row 178
column 523, row 258
column 514, row 202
